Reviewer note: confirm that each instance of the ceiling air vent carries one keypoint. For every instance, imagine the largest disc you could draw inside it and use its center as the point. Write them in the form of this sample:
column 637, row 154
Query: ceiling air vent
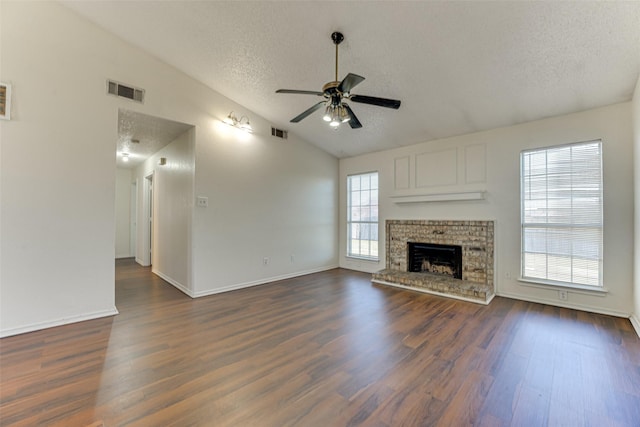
column 124, row 91
column 279, row 133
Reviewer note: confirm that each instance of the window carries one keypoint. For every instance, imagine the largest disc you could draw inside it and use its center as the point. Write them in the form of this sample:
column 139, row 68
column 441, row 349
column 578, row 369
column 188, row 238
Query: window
column 561, row 198
column 362, row 215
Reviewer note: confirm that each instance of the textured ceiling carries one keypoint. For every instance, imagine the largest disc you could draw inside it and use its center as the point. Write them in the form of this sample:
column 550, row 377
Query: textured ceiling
column 141, row 135
column 458, row 67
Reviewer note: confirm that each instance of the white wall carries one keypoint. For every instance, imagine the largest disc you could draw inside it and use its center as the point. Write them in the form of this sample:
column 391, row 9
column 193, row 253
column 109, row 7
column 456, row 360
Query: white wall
column 268, row 197
column 57, row 174
column 635, row 318
column 173, row 205
column 123, row 213
column 489, row 161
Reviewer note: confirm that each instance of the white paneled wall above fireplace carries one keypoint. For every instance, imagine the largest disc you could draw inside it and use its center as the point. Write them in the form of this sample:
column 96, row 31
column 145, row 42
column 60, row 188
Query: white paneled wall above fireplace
column 438, row 171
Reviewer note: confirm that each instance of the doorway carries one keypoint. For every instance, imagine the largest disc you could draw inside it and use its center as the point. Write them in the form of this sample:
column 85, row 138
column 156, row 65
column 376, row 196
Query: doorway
column 147, row 249
column 133, row 216
column 159, row 156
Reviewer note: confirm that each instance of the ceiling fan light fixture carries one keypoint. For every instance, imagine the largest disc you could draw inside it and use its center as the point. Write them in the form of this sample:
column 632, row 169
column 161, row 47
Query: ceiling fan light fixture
column 336, row 115
column 335, row 92
column 344, row 114
column 327, row 114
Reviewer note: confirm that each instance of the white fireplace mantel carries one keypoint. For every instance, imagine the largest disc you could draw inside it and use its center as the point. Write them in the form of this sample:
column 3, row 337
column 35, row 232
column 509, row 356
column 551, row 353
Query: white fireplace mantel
column 438, row 197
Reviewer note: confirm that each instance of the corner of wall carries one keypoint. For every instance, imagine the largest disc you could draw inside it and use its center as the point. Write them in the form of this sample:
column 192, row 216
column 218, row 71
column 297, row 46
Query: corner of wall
column 635, row 105
column 635, row 322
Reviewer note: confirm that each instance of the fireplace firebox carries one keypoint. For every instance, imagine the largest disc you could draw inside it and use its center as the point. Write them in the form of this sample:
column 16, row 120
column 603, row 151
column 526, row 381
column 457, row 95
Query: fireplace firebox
column 435, row 258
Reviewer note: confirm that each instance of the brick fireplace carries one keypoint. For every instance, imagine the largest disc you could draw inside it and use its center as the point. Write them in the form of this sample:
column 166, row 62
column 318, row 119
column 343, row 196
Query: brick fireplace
column 476, row 240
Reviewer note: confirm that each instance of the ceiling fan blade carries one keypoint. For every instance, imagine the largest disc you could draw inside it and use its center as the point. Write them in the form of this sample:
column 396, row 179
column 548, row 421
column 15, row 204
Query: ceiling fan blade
column 380, row 102
column 349, row 82
column 305, row 113
column 301, row 92
column 353, row 122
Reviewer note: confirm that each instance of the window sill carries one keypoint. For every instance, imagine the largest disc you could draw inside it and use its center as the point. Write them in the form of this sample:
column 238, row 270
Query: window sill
column 376, row 260
column 580, row 289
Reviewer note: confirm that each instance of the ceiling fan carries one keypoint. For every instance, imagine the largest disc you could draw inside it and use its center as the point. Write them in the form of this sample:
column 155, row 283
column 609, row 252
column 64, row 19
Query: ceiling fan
column 337, row 111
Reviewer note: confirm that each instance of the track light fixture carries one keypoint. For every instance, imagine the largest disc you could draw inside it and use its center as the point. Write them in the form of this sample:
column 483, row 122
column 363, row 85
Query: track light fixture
column 241, row 123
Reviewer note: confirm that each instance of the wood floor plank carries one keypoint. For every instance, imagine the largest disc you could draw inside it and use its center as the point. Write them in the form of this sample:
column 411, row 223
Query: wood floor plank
column 326, row 349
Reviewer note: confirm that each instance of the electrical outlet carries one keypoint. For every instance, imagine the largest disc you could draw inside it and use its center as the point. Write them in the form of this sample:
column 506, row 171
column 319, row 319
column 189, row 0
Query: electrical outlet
column 563, row 295
column 265, row 260
column 202, row 201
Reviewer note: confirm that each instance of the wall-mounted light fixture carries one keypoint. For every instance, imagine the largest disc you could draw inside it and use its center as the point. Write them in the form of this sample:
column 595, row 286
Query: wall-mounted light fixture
column 125, row 157
column 241, row 123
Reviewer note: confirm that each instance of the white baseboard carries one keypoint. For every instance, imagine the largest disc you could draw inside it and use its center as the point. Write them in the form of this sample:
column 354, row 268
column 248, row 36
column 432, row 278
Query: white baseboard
column 59, row 322
column 429, row 291
column 182, row 288
column 555, row 303
column 635, row 322
column 121, row 256
column 261, row 281
column 139, row 261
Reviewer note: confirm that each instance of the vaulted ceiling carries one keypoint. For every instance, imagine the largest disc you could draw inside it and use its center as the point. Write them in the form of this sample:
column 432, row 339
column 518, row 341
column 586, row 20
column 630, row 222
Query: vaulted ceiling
column 458, row 67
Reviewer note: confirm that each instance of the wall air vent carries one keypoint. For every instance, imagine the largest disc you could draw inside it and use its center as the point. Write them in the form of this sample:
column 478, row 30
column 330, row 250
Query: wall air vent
column 125, row 91
column 279, row 133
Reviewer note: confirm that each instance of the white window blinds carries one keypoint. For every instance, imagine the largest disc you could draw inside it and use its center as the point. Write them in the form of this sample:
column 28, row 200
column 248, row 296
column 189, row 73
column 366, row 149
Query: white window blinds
column 561, row 196
column 362, row 215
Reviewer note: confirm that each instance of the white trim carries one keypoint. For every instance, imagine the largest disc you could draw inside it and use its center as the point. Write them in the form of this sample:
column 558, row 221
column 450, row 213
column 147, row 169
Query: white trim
column 261, row 281
column 428, row 291
column 564, row 221
column 562, row 304
column 635, row 322
column 360, row 258
column 182, row 288
column 438, row 197
column 141, row 262
column 575, row 288
column 58, row 322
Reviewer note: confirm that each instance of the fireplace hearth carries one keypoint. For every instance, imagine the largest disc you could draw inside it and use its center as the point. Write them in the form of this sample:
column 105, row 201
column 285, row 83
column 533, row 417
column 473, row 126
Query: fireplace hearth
column 449, row 258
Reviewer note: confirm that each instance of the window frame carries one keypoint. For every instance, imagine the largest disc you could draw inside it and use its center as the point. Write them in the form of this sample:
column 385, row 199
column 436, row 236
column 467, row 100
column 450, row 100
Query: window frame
column 599, row 225
column 373, row 224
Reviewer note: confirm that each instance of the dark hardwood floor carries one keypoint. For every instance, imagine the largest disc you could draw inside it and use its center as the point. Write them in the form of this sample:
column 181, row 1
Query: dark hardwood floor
column 327, row 349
